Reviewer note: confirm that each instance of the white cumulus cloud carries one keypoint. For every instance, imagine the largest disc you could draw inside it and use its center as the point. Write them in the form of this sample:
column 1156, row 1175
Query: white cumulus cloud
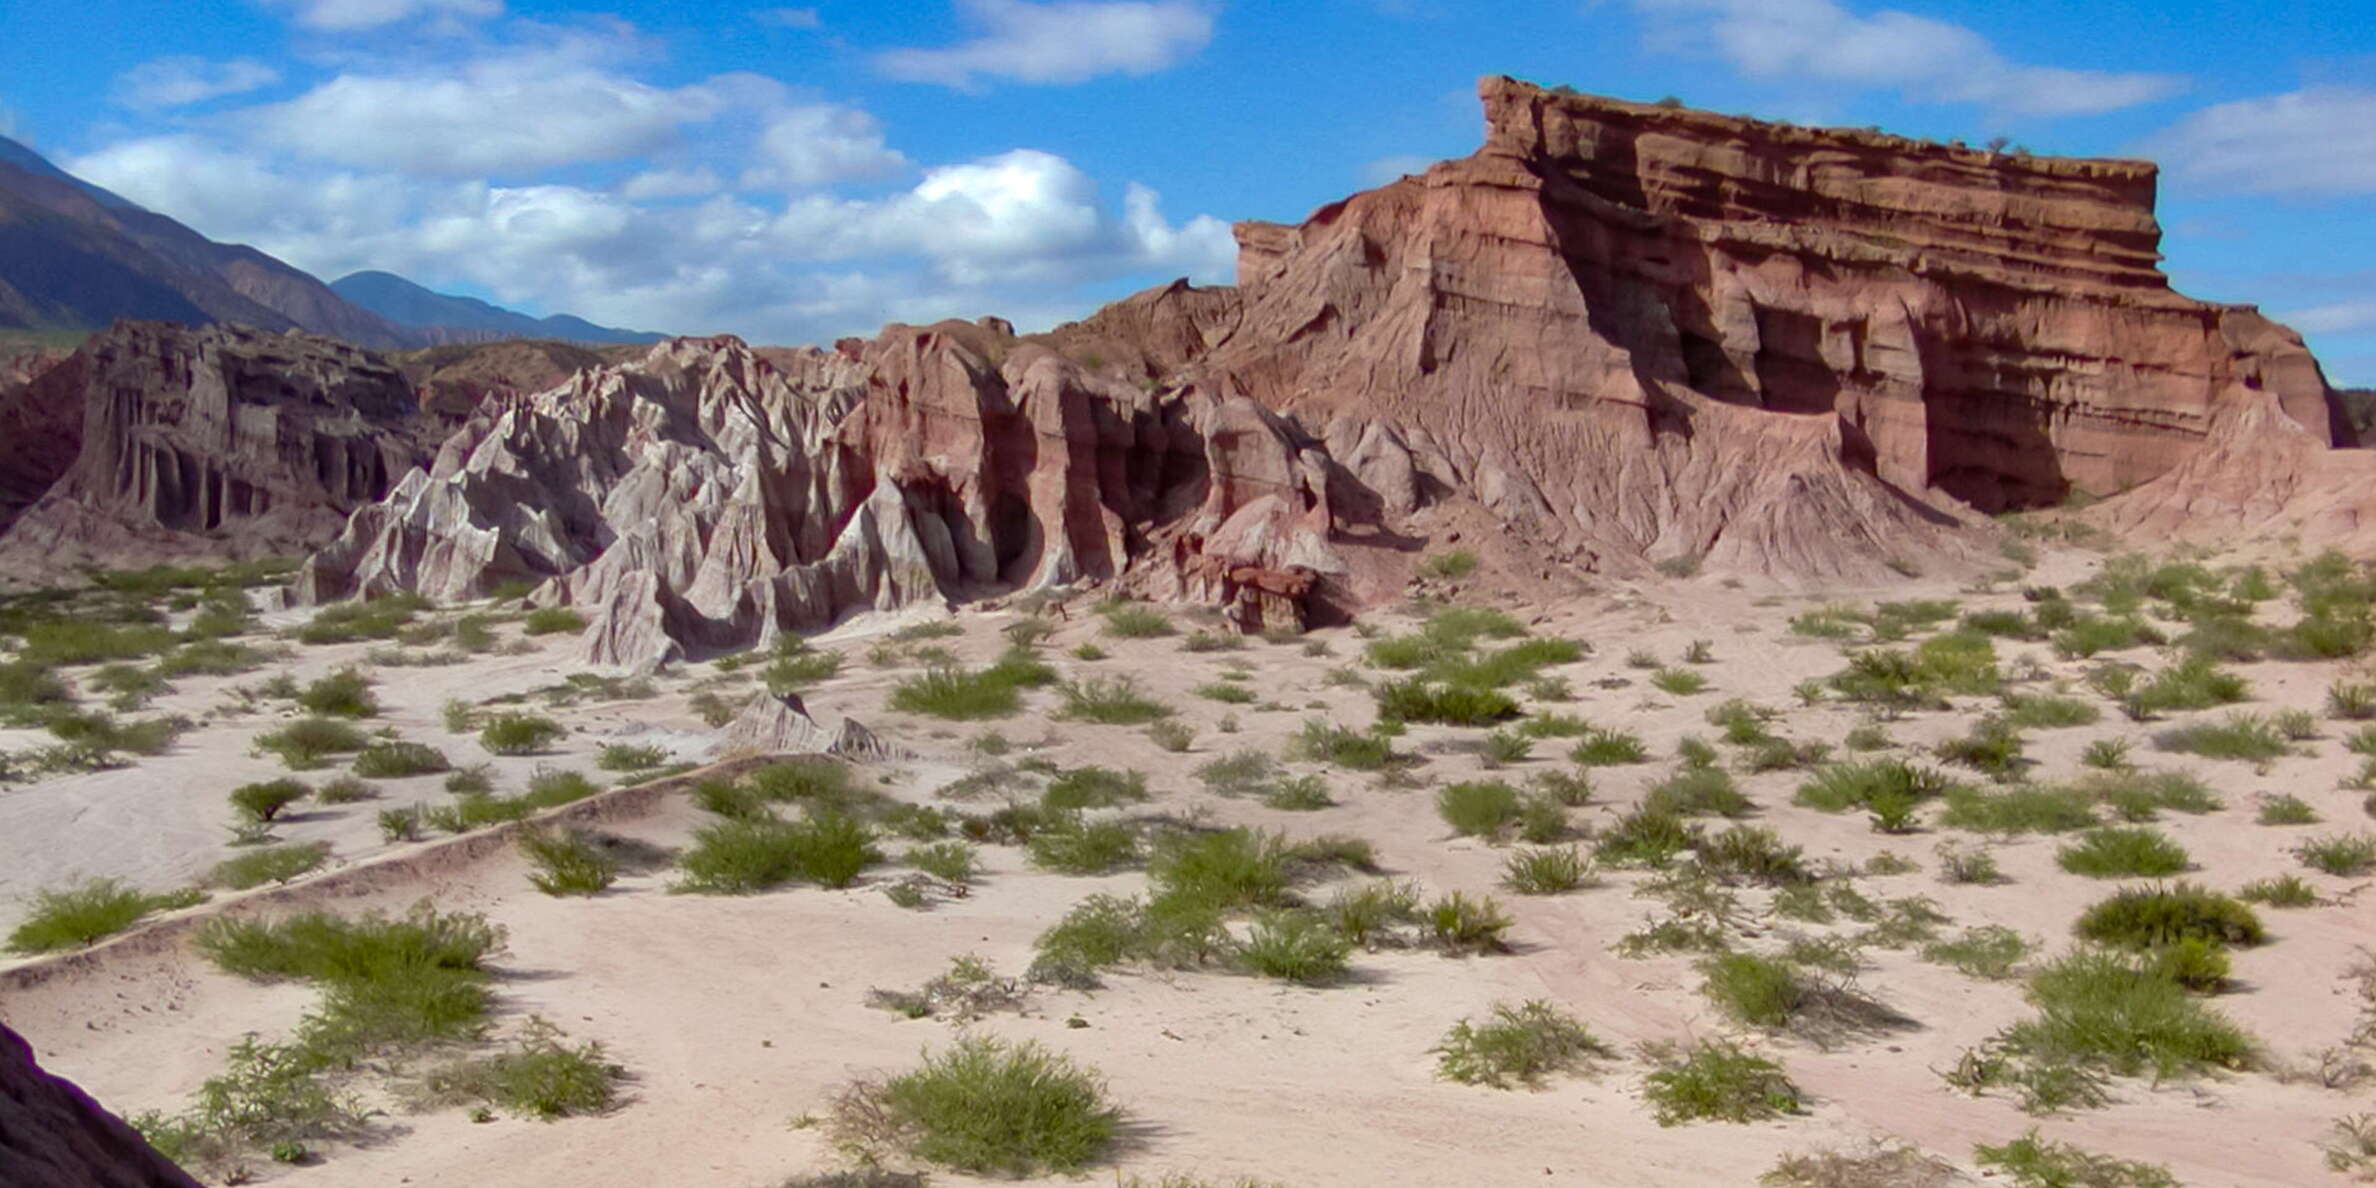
column 181, row 81
column 1023, row 215
column 497, row 116
column 1025, row 234
column 671, row 183
column 2316, row 142
column 1063, row 41
column 1920, row 57
column 821, row 144
column 2342, row 317
column 342, row 16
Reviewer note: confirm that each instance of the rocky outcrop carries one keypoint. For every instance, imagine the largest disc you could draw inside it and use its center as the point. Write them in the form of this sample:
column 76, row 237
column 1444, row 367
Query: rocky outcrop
column 708, row 497
column 154, row 440
column 1621, row 335
column 1655, row 331
column 2263, row 477
column 449, row 382
column 52, row 1135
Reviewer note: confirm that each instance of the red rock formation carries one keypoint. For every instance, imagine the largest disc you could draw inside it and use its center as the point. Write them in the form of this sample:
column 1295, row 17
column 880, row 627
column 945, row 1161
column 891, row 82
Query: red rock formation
column 54, row 1136
column 2262, row 478
column 155, row 439
column 1653, row 331
column 707, row 496
column 1630, row 333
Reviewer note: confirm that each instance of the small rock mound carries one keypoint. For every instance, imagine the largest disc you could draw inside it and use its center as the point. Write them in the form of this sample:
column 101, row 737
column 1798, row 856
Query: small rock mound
column 771, row 726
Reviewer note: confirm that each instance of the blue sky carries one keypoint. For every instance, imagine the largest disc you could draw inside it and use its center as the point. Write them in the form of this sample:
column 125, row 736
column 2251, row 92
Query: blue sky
column 795, row 172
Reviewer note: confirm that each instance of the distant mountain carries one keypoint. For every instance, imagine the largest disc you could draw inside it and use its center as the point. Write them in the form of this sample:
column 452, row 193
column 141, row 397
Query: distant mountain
column 76, row 257
column 451, row 318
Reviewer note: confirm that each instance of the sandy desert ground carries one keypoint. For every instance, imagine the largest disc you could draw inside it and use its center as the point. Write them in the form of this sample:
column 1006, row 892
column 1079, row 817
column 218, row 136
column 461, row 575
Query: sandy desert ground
column 739, row 1018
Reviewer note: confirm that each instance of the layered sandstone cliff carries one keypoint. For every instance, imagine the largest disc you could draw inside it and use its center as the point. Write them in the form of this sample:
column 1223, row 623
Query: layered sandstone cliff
column 1572, row 304
column 154, row 439
column 53, row 1136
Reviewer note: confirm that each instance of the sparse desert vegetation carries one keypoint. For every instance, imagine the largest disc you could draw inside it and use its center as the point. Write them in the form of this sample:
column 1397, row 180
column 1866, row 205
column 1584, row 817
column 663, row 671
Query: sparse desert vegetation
column 1766, row 851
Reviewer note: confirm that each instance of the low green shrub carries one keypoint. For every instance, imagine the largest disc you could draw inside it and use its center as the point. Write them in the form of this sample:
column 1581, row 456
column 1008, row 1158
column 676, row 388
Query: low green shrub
column 2248, row 737
column 1093, row 788
column 1300, row 794
column 953, row 861
column 2138, row 796
column 1546, row 871
column 1239, row 773
column 1990, row 951
column 630, row 757
column 1416, row 700
column 1478, row 808
column 1295, row 946
column 272, row 864
column 1109, row 701
column 262, row 802
column 553, row 620
column 1754, row 989
column 1645, row 837
column 308, row 742
column 1369, row 913
column 347, row 622
column 539, row 1077
column 1604, row 747
column 2032, row 1162
column 397, row 760
column 1518, row 1045
column 2344, row 855
column 2101, row 1011
column 2123, row 852
column 2042, row 711
column 567, row 861
column 86, row 912
column 1458, row 923
column 1338, row 746
column 1698, row 792
column 1718, row 1081
column 2283, row 891
column 520, row 734
column 2019, row 809
column 2151, row 917
column 986, row 1106
column 742, row 856
column 968, row 695
column 1754, row 854
column 343, row 694
column 1131, row 620
column 1223, row 871
column 1076, row 846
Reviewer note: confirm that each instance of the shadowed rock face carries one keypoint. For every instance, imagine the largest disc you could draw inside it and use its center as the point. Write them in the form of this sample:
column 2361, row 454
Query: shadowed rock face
column 155, row 439
column 54, row 1136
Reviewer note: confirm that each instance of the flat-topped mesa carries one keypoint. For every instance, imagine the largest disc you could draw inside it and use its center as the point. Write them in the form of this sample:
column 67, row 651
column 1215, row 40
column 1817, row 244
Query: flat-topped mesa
column 1579, row 294
column 2015, row 218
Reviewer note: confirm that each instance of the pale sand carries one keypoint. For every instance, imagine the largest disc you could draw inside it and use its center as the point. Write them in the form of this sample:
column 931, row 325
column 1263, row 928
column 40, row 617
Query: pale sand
column 738, row 1017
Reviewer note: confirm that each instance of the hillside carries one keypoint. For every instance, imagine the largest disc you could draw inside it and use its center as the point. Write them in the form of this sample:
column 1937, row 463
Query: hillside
column 77, row 257
column 462, row 319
